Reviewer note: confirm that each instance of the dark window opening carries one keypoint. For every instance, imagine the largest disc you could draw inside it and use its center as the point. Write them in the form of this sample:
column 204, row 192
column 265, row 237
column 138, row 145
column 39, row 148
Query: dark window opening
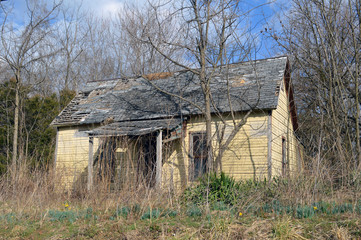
column 198, row 152
column 285, row 166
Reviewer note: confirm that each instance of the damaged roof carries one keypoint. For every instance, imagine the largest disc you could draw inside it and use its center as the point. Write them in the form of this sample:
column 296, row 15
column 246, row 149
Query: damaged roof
column 250, row 85
column 135, row 128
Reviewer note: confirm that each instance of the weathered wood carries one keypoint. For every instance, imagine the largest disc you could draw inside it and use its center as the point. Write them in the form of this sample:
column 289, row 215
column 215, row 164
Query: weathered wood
column 158, row 176
column 90, row 164
column 269, row 137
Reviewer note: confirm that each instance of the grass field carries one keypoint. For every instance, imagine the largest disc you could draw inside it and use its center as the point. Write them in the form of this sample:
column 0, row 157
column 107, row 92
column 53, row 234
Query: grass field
column 80, row 223
column 216, row 208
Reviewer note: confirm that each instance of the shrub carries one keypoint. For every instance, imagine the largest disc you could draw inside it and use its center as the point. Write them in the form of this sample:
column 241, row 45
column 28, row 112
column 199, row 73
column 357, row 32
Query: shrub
column 220, row 188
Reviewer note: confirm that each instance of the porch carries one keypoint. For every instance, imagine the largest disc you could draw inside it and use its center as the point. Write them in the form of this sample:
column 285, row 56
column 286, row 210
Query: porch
column 131, row 153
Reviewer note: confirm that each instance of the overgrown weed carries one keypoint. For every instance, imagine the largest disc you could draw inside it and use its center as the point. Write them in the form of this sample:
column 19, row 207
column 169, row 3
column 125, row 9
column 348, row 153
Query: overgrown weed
column 281, row 208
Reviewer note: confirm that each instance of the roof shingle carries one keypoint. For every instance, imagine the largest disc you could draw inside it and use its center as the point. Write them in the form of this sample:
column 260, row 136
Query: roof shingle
column 251, row 85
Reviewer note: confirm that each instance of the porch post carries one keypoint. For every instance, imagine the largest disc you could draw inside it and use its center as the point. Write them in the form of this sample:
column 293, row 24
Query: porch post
column 90, row 164
column 158, row 175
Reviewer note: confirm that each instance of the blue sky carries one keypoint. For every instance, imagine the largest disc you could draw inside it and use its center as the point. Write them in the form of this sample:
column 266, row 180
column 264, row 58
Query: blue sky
column 105, row 8
column 100, row 8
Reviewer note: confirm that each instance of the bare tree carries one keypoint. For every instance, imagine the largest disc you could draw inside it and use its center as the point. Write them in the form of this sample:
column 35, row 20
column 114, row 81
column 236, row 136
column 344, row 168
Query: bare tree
column 133, row 26
column 208, row 34
column 323, row 37
column 20, row 51
column 70, row 35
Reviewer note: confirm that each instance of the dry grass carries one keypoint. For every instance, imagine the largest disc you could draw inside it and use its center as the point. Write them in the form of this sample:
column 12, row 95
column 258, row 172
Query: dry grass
column 31, row 198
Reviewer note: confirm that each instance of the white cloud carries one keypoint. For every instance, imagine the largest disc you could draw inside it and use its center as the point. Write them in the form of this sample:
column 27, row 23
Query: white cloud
column 102, row 8
column 112, row 7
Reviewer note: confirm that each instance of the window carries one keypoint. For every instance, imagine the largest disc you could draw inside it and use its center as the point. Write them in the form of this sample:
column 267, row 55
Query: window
column 198, row 155
column 285, row 166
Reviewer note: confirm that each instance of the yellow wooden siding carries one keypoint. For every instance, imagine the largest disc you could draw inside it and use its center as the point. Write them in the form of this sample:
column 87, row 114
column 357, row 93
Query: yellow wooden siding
column 282, row 128
column 245, row 157
column 175, row 164
column 72, row 155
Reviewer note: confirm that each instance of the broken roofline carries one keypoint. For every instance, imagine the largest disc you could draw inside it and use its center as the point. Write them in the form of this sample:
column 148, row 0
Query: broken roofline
column 251, row 86
column 150, row 76
column 183, row 118
column 136, row 128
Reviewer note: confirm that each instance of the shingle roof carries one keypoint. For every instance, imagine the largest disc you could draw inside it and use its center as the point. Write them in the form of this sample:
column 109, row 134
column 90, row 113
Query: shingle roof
column 252, row 84
column 135, row 128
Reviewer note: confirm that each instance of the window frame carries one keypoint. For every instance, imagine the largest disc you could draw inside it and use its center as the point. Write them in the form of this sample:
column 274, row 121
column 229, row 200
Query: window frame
column 191, row 169
column 284, row 162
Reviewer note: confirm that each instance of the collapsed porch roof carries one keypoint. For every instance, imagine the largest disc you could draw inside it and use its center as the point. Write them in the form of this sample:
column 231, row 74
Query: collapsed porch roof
column 135, row 128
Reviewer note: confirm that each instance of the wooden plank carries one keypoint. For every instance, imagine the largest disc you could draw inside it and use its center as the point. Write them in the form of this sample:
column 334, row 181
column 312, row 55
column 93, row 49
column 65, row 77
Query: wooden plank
column 158, row 176
column 90, row 164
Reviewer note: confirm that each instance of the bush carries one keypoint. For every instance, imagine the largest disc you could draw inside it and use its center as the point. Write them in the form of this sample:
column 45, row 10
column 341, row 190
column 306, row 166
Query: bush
column 220, row 188
column 223, row 188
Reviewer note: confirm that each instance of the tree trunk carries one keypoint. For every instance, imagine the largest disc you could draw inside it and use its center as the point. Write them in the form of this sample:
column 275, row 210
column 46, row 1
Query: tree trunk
column 16, row 126
column 208, row 117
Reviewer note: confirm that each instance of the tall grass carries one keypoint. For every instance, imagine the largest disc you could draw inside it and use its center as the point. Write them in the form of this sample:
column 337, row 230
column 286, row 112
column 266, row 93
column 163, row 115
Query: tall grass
column 37, row 190
column 215, row 202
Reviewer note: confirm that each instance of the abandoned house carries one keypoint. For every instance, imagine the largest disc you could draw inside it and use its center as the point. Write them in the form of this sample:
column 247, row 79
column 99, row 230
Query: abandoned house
column 150, row 130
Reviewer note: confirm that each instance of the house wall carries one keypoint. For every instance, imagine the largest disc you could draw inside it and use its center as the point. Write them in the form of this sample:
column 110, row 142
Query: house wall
column 175, row 165
column 245, row 157
column 282, row 128
column 72, row 155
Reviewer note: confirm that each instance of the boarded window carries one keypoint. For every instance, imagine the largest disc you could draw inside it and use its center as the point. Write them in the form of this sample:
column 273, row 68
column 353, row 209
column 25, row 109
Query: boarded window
column 198, row 153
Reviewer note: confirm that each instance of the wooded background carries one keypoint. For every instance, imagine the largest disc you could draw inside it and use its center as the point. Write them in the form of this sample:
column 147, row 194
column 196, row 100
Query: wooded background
column 50, row 55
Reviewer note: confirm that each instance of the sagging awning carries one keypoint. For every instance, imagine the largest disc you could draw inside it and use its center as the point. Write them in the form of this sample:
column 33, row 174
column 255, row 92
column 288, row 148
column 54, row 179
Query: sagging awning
column 136, row 128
